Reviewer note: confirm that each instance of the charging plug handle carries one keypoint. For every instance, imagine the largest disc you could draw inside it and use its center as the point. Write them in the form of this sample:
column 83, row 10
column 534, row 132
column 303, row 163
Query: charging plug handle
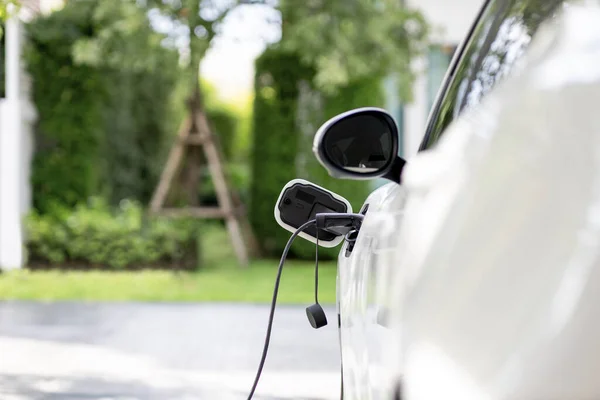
column 338, row 223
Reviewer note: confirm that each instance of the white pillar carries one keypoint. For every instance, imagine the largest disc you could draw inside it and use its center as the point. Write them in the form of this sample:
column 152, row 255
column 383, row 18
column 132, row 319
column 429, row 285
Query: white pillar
column 11, row 246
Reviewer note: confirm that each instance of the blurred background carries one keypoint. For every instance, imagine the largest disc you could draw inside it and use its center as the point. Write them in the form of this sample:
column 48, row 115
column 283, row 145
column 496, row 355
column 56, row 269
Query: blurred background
column 93, row 94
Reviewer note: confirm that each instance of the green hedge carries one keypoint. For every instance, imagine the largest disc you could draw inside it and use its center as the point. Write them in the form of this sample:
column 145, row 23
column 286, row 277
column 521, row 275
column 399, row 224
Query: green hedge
column 282, row 143
column 360, row 94
column 224, row 123
column 94, row 236
column 101, row 131
column 139, row 130
column 274, row 140
column 68, row 164
column 223, row 118
column 104, row 131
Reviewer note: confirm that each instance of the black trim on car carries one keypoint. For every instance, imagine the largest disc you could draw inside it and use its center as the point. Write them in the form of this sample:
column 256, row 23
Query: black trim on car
column 435, row 110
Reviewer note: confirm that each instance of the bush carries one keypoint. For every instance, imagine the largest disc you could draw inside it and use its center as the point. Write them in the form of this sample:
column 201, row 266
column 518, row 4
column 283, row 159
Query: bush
column 287, row 113
column 101, row 130
column 138, row 129
column 274, row 141
column 67, row 165
column 224, row 123
column 222, row 117
column 243, row 110
column 359, row 94
column 93, row 236
column 238, row 177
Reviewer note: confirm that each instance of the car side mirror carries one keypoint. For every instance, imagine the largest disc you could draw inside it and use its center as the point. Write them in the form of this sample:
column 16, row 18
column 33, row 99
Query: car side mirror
column 360, row 144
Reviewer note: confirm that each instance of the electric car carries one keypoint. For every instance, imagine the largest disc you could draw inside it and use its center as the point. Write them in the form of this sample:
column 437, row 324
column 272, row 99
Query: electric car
column 493, row 51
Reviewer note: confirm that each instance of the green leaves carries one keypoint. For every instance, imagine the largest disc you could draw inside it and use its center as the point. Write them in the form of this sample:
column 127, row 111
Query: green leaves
column 287, row 112
column 199, row 18
column 122, row 38
column 104, row 124
column 93, row 235
column 8, row 7
column 344, row 40
column 332, row 57
column 350, row 40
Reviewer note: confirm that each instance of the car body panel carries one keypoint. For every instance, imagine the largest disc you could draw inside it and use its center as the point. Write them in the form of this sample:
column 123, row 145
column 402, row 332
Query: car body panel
column 502, row 303
column 380, row 255
column 360, row 295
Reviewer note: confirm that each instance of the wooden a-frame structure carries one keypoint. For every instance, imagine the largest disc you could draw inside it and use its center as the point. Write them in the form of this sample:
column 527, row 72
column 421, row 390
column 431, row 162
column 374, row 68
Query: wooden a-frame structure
column 195, row 133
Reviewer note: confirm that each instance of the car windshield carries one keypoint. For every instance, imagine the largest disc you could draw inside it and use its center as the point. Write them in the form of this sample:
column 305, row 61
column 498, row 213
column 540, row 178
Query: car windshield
column 494, row 49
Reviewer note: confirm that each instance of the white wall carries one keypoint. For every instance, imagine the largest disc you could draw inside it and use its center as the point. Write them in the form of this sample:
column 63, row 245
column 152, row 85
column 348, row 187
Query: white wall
column 450, row 21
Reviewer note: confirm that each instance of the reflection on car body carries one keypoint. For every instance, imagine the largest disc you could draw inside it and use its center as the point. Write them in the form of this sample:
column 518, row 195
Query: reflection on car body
column 493, row 51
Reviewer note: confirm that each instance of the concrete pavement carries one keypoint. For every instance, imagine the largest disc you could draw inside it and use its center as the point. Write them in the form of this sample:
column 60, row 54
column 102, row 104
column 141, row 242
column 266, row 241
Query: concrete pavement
column 130, row 351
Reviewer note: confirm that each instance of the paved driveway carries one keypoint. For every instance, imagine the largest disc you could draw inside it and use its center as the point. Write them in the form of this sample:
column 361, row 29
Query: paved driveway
column 162, row 351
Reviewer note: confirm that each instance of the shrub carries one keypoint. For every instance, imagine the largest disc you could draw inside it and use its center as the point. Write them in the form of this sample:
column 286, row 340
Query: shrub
column 238, row 177
column 101, row 130
column 93, row 235
column 287, row 113
column 224, row 123
column 67, row 165
column 243, row 109
column 274, row 141
column 138, row 128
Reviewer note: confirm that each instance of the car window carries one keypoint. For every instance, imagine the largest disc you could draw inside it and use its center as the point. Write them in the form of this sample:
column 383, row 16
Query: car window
column 497, row 43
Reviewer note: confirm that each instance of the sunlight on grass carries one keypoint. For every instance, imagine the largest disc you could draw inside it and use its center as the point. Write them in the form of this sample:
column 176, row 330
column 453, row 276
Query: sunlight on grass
column 219, row 279
column 254, row 284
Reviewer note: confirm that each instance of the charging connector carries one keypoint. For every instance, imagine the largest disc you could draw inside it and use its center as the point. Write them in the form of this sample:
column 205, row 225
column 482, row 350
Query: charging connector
column 339, row 223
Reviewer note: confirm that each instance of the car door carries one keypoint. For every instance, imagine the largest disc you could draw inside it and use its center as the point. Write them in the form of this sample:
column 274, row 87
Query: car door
column 491, row 51
column 504, row 302
column 362, row 322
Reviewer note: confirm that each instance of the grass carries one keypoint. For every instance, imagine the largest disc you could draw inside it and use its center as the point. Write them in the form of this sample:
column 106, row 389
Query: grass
column 253, row 285
column 220, row 281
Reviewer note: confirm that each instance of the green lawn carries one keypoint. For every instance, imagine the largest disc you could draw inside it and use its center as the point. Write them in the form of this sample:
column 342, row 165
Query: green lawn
column 224, row 284
column 220, row 280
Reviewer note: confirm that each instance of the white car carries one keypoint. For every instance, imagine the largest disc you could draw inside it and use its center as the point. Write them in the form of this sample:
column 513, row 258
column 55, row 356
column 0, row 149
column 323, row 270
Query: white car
column 472, row 275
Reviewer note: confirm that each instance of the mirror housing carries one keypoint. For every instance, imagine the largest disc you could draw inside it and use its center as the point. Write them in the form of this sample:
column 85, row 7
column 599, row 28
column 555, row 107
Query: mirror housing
column 360, row 144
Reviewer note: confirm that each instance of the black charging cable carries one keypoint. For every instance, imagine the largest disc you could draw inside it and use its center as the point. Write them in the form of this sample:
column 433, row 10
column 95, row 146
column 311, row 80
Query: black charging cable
column 337, row 223
column 317, row 268
column 274, row 302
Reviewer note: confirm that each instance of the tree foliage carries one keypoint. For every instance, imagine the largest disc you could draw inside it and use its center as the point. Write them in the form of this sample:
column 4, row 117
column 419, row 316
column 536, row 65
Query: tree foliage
column 101, row 129
column 121, row 39
column 7, row 7
column 332, row 57
column 350, row 40
column 341, row 39
column 287, row 111
column 189, row 25
column 69, row 102
column 200, row 20
column 275, row 139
